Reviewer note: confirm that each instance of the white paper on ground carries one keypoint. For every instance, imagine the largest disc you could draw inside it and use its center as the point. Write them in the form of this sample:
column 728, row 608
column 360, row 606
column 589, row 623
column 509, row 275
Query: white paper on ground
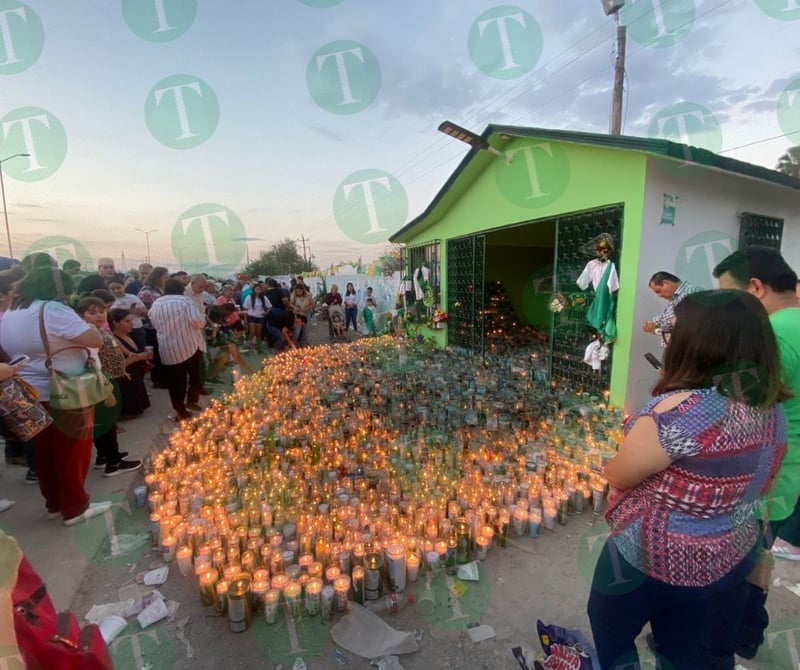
column 367, row 635
column 152, row 613
column 388, row 663
column 156, row 577
column 100, row 612
column 469, row 572
column 112, row 626
column 481, row 633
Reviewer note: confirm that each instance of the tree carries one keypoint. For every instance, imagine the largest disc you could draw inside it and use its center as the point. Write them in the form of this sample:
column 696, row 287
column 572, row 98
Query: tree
column 282, row 259
column 389, row 262
column 789, row 163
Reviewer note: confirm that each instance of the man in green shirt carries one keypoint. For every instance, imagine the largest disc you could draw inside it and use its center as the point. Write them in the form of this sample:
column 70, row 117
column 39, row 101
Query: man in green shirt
column 763, row 272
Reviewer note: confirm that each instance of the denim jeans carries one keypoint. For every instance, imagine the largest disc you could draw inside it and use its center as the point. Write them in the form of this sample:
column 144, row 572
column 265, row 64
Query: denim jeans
column 623, row 600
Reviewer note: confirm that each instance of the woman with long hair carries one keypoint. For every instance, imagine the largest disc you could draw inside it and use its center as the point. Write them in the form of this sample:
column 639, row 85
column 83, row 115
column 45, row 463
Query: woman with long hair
column 350, row 307
column 135, row 399
column 64, row 448
column 152, row 290
column 256, row 305
column 687, row 482
column 302, row 302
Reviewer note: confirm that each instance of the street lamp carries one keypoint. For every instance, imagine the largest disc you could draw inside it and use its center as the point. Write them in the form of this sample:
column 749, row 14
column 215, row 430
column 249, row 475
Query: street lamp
column 613, row 7
column 467, row 136
column 5, row 211
column 147, row 239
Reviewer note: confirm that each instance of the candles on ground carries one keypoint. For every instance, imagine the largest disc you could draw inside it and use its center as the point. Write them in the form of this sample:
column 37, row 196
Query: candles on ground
column 396, row 566
column 280, row 581
column 271, row 602
column 520, row 519
column 359, row 594
column 331, row 573
column 534, row 519
column 482, row 547
column 208, row 582
column 412, row 562
column 326, row 601
column 184, row 556
column 312, row 597
column 222, row 596
column 291, row 593
column 342, row 587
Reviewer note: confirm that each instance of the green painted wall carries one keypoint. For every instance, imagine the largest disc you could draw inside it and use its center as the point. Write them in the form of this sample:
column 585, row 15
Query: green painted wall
column 545, row 179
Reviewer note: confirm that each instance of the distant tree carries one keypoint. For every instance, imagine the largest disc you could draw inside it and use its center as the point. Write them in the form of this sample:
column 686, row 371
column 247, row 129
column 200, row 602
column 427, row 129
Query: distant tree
column 389, row 262
column 282, row 259
column 789, row 163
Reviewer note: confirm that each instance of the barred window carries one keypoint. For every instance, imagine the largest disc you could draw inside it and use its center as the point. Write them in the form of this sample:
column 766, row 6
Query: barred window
column 425, row 261
column 756, row 229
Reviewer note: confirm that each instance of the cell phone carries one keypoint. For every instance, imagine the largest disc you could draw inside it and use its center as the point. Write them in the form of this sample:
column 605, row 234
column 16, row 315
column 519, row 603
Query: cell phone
column 20, row 360
column 657, row 364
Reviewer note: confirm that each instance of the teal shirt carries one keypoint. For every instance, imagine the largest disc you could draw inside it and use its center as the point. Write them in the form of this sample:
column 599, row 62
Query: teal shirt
column 786, row 325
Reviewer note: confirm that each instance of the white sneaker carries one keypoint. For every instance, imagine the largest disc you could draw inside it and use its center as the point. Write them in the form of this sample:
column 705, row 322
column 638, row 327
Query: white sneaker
column 94, row 509
column 5, row 504
column 782, row 549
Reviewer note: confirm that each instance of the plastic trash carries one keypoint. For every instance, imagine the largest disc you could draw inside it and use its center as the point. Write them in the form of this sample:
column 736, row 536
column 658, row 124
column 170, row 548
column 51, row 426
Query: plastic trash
column 481, row 633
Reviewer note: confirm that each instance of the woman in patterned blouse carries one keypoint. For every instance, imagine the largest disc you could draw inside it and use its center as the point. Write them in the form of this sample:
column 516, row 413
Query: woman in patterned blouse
column 109, row 457
column 687, row 481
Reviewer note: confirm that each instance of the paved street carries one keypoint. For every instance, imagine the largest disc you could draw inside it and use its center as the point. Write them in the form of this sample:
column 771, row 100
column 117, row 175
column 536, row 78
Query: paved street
column 543, row 578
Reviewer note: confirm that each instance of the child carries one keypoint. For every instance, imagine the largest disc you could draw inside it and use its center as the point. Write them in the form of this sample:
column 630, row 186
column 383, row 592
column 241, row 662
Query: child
column 337, row 323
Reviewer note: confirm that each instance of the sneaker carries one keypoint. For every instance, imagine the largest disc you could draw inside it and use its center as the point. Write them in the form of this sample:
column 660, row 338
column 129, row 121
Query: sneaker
column 194, row 406
column 31, row 477
column 100, row 462
column 94, row 509
column 782, row 549
column 122, row 467
column 5, row 504
column 53, row 515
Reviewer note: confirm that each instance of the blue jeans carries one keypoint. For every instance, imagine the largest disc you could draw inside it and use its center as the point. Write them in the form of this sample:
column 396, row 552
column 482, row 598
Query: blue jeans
column 623, row 600
column 350, row 316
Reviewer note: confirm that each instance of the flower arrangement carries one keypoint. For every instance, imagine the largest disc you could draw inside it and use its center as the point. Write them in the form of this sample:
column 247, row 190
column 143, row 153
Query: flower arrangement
column 440, row 317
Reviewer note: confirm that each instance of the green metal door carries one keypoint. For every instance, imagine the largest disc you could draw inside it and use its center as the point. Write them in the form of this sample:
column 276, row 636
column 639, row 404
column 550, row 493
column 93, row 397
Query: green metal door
column 465, row 293
column 571, row 333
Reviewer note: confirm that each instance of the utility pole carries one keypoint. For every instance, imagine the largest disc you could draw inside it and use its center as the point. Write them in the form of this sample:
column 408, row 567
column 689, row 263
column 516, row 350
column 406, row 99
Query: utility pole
column 619, row 79
column 304, row 239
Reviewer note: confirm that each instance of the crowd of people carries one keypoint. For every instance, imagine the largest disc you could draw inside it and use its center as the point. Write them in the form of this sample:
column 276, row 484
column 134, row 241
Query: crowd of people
column 183, row 331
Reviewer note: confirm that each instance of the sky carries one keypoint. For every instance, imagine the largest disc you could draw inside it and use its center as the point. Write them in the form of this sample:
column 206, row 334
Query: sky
column 220, row 128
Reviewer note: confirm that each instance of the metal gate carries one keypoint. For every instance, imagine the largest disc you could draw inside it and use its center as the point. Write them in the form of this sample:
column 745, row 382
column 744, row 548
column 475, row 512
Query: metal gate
column 571, row 333
column 465, row 293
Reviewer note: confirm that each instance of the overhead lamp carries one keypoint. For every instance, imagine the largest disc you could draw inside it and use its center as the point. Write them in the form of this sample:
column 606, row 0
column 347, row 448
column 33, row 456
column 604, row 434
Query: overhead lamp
column 612, row 6
column 468, row 137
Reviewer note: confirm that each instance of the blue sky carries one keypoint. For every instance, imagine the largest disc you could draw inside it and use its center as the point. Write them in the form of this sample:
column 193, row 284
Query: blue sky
column 282, row 145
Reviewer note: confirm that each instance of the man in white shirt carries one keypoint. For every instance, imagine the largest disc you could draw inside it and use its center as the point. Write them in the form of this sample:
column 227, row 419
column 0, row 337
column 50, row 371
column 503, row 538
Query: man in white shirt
column 179, row 328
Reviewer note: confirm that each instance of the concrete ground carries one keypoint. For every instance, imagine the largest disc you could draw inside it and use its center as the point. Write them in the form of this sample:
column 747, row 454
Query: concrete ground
column 544, row 578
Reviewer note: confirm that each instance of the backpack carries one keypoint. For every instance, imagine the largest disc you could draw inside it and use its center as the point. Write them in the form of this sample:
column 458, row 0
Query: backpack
column 51, row 641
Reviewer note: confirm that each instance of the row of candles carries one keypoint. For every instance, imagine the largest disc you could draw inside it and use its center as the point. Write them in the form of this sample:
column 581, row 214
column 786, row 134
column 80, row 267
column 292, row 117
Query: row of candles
column 293, row 491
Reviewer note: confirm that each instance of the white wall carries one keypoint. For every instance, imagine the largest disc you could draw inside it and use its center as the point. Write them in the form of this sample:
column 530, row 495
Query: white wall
column 706, row 229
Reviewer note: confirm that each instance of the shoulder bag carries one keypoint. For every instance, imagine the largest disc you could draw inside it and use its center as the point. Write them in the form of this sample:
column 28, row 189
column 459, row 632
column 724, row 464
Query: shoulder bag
column 22, row 417
column 70, row 392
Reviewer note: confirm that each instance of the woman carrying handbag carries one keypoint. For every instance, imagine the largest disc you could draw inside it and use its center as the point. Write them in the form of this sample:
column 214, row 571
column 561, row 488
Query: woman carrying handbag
column 64, row 448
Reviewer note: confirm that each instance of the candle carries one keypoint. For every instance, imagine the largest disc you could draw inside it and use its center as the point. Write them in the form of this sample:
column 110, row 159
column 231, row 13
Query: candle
column 271, row 599
column 208, row 581
column 342, row 587
column 259, row 590
column 240, row 612
column 248, row 561
column 184, row 556
column 326, row 600
column 331, row 573
column 222, row 596
column 412, row 564
column 549, row 517
column 315, row 569
column 280, row 581
column 432, row 558
column 520, row 518
column 373, row 563
column 312, row 599
column 155, row 525
column 291, row 593
column 232, row 571
column 261, row 575
column 441, row 548
column 358, row 575
column 482, row 544
column 396, row 566
column 534, row 519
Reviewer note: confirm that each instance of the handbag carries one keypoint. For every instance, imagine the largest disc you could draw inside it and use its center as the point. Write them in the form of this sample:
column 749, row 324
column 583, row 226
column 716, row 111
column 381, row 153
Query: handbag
column 71, row 392
column 21, row 415
column 50, row 640
column 761, row 573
